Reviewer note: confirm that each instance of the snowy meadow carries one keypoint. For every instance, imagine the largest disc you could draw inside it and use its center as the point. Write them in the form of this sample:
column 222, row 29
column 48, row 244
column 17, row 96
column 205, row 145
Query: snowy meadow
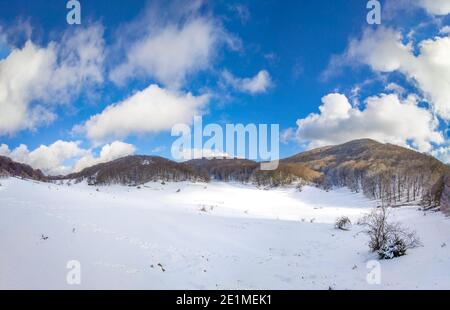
column 205, row 236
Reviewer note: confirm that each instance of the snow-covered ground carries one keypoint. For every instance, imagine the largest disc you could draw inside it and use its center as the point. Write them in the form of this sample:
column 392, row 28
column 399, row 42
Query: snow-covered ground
column 203, row 236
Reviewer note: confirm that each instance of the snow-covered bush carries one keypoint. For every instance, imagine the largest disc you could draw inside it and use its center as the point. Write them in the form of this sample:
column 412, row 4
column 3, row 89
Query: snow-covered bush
column 394, row 247
column 398, row 241
column 343, row 223
column 388, row 239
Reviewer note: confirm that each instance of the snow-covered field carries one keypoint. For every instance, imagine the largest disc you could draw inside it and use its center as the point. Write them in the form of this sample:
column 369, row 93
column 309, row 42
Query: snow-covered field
column 204, row 236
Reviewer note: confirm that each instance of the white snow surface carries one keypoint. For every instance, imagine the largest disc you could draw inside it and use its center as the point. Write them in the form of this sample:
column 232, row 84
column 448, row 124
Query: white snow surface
column 204, row 236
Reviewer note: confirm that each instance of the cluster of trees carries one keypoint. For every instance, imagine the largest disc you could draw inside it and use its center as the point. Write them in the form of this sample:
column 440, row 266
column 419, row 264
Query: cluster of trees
column 136, row 170
column 229, row 173
column 245, row 171
column 393, row 174
column 275, row 178
column 285, row 174
column 391, row 185
column 135, row 175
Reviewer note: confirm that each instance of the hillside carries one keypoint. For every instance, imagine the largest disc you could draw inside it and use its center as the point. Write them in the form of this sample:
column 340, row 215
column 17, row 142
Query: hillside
column 383, row 171
column 135, row 170
column 9, row 167
column 225, row 169
column 242, row 170
column 395, row 174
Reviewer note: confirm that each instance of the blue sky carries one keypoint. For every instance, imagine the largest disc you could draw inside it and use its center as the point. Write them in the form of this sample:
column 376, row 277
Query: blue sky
column 253, row 61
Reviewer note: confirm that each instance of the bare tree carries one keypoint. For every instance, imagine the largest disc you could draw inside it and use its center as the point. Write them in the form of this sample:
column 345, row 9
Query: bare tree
column 388, row 239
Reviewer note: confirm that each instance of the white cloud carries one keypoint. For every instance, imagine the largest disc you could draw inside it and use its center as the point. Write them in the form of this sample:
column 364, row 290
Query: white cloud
column 170, row 48
column 58, row 158
column 287, row 135
column 435, row 7
column 386, row 118
column 4, row 150
column 34, row 79
column 151, row 110
column 394, row 87
column 188, row 154
column 260, row 83
column 50, row 159
column 445, row 30
column 18, row 31
column 384, row 51
column 108, row 153
column 442, row 153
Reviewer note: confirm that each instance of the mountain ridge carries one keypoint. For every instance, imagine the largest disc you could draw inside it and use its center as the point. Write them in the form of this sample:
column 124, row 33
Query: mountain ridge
column 390, row 173
column 135, row 170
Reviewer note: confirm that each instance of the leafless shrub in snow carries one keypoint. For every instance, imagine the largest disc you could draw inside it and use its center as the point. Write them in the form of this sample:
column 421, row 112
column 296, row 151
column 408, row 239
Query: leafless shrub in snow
column 343, row 223
column 388, row 239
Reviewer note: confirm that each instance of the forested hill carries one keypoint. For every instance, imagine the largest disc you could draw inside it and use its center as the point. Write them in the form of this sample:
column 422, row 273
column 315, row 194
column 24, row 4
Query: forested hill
column 136, row 170
column 382, row 171
column 9, row 167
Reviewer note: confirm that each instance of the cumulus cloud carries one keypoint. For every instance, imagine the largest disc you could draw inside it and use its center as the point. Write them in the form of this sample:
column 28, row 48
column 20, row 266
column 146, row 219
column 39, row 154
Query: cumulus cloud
column 445, row 30
column 442, row 153
column 386, row 118
column 50, row 159
column 384, row 50
column 169, row 50
column 33, row 79
column 63, row 157
column 151, row 110
column 109, row 152
column 260, row 83
column 4, row 150
column 393, row 9
column 287, row 135
column 435, row 7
